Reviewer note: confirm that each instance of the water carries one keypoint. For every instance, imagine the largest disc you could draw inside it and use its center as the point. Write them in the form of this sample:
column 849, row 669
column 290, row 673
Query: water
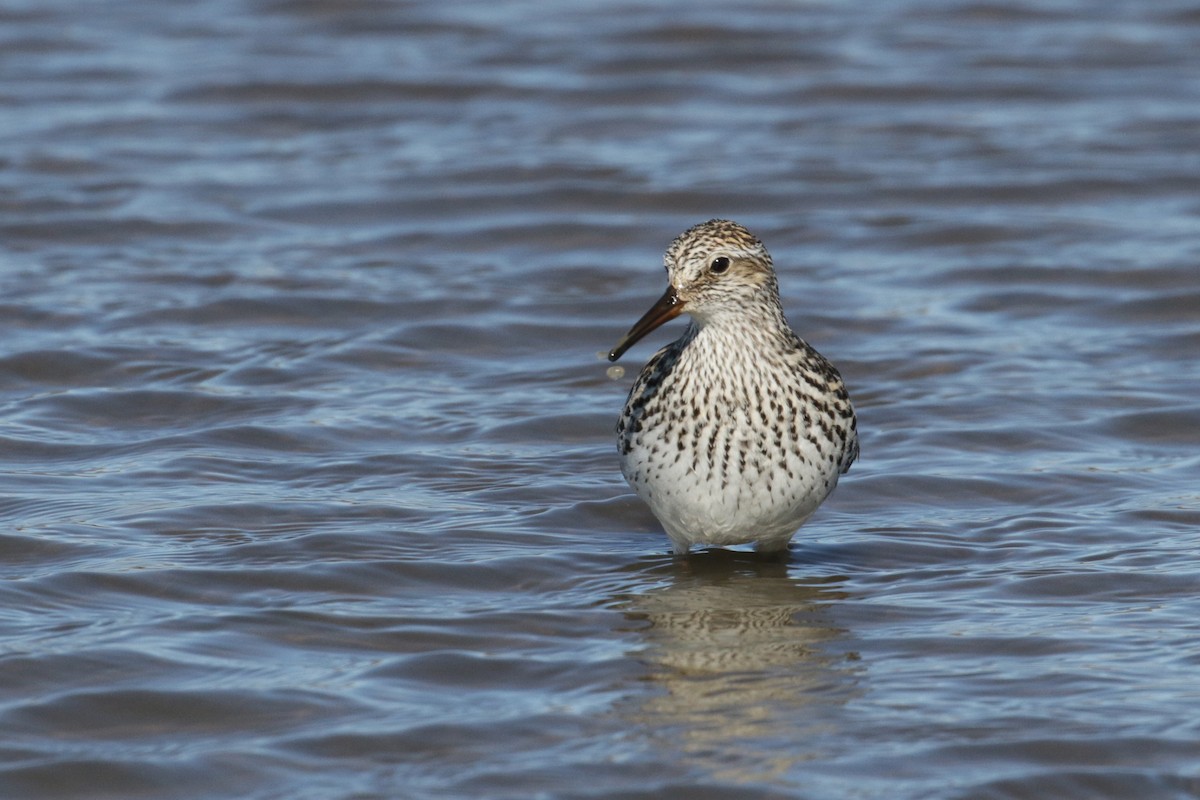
column 309, row 487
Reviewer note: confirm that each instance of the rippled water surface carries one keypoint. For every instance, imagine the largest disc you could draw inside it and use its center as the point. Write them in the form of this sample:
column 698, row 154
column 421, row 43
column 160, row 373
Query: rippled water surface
column 309, row 486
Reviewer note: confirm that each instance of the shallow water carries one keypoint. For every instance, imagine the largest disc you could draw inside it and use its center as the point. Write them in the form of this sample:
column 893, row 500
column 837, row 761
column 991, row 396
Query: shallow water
column 309, row 483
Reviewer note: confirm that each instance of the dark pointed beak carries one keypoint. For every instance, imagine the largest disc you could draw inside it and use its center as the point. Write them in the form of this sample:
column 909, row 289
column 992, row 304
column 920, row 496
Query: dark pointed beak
column 668, row 307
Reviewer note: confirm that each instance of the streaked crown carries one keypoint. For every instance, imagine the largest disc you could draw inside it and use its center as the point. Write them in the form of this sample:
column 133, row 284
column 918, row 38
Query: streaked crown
column 719, row 264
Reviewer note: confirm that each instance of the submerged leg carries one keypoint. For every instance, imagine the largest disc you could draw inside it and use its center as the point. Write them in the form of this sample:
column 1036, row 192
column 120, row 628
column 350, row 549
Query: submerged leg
column 773, row 548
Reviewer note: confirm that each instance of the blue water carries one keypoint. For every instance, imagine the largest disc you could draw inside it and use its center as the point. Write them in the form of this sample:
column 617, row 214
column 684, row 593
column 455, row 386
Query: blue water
column 308, row 482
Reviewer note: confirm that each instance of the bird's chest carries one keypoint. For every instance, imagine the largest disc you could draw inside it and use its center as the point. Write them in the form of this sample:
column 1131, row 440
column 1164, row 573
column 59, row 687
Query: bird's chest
column 700, row 428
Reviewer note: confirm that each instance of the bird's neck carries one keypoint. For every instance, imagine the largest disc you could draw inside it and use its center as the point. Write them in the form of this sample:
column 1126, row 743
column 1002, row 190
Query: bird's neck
column 763, row 318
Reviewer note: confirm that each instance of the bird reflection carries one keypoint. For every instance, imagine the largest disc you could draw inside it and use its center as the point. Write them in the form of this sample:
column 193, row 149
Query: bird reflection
column 741, row 650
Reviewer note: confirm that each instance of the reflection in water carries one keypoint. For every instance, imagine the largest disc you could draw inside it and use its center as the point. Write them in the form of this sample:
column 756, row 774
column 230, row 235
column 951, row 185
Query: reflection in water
column 741, row 652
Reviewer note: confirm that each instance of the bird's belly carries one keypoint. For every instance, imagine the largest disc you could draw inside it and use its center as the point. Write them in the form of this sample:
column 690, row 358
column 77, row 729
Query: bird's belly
column 728, row 487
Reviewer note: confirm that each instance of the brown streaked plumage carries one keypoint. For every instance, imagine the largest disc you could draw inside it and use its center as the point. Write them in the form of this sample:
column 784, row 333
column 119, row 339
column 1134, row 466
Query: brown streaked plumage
column 738, row 430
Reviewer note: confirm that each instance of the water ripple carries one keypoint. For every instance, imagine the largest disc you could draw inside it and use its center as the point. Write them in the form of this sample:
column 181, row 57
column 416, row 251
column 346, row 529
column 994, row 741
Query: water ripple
column 309, row 486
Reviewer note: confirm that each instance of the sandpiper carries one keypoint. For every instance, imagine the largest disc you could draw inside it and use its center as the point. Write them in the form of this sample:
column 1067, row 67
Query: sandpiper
column 738, row 430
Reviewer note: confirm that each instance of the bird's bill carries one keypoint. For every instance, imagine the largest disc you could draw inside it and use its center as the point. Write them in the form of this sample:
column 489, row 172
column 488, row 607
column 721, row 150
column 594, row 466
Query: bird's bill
column 668, row 307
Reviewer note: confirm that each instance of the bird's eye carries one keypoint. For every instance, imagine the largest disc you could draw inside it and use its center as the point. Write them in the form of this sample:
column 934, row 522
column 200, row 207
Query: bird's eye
column 719, row 264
